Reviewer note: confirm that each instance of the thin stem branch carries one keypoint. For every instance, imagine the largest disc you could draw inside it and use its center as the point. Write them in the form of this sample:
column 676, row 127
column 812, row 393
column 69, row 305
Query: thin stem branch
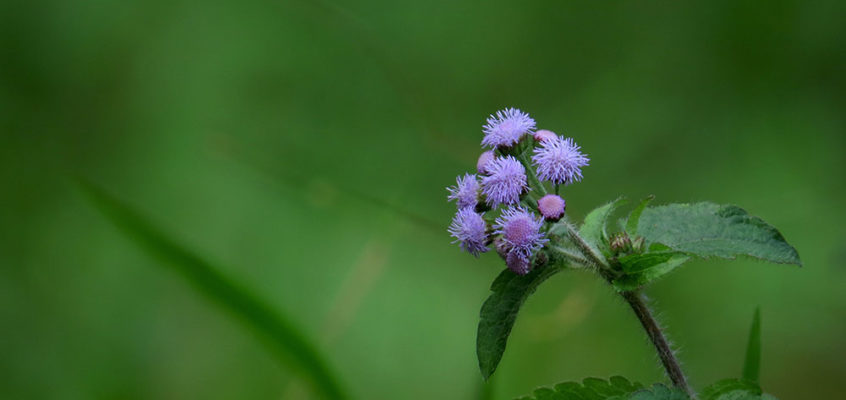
column 530, row 173
column 656, row 336
column 574, row 257
column 586, row 248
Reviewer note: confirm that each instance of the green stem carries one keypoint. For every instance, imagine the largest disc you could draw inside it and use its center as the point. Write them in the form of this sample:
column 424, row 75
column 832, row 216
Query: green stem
column 574, row 257
column 588, row 250
column 530, row 173
column 656, row 336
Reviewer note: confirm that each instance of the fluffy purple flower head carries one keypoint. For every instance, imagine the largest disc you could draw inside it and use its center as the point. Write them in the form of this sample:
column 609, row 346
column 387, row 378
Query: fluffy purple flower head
column 544, row 134
column 521, row 231
column 465, row 192
column 469, row 229
column 484, row 159
column 559, row 161
column 506, row 181
column 551, row 207
column 506, row 128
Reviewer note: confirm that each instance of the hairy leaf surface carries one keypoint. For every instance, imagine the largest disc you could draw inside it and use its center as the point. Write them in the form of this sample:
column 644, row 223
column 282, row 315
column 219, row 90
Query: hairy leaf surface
column 712, row 230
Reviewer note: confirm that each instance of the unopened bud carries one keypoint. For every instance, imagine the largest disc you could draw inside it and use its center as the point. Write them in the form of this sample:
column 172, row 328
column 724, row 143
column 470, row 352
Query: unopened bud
column 620, row 243
column 543, row 134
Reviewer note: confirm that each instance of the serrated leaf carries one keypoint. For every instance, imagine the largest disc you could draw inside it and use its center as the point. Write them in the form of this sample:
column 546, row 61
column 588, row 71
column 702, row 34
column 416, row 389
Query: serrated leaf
column 733, row 389
column 593, row 228
column 500, row 311
column 659, row 391
column 292, row 347
column 712, row 230
column 636, row 280
column 615, row 388
column 634, row 217
column 752, row 364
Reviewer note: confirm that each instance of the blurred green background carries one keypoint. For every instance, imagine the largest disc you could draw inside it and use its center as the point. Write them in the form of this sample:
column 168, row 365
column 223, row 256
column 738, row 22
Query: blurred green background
column 279, row 139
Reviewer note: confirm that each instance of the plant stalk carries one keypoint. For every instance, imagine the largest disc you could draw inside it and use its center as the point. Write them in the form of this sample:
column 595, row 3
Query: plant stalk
column 656, row 336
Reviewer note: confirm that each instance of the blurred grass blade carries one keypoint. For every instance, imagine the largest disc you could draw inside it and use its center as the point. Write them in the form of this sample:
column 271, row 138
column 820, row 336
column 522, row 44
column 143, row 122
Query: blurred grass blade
column 290, row 345
column 752, row 365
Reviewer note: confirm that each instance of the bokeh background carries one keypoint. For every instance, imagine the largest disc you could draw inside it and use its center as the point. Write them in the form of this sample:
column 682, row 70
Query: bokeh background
column 304, row 147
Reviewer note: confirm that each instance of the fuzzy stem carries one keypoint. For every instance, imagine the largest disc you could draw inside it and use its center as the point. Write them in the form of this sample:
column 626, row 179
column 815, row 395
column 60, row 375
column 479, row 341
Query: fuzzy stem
column 586, row 248
column 656, row 336
column 571, row 256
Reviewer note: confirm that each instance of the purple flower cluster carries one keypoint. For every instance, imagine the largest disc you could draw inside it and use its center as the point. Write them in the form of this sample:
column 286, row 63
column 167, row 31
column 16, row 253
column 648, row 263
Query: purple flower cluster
column 507, row 178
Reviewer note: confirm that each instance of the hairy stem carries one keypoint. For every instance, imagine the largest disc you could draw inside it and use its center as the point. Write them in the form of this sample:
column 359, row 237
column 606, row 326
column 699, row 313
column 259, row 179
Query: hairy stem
column 587, row 249
column 656, row 336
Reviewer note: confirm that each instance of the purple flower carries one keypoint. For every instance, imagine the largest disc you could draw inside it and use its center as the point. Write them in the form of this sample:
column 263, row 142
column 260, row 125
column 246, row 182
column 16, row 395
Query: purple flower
column 517, row 263
column 506, row 182
column 469, row 228
column 521, row 231
column 484, row 159
column 544, row 134
column 465, row 192
column 506, row 128
column 551, row 207
column 559, row 161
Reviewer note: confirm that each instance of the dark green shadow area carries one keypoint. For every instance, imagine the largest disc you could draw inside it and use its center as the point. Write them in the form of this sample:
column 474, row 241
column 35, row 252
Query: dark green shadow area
column 291, row 346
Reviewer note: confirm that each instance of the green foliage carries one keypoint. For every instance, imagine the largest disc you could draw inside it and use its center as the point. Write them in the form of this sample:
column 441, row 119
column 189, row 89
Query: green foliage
column 659, row 391
column 712, row 230
column 646, row 268
column 286, row 340
column 752, row 365
column 616, row 388
column 619, row 388
column 734, row 389
column 593, row 230
column 634, row 217
column 675, row 232
column 500, row 311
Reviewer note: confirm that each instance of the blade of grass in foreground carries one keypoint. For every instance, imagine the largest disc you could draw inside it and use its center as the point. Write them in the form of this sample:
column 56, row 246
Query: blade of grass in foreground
column 752, row 365
column 289, row 344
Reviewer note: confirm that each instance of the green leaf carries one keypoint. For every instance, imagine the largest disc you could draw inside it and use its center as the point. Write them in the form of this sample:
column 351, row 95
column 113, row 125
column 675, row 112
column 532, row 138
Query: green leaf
column 288, row 343
column 752, row 365
column 616, row 388
column 712, row 230
column 634, row 217
column 500, row 311
column 733, row 389
column 593, row 229
column 659, row 391
column 634, row 263
column 645, row 272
